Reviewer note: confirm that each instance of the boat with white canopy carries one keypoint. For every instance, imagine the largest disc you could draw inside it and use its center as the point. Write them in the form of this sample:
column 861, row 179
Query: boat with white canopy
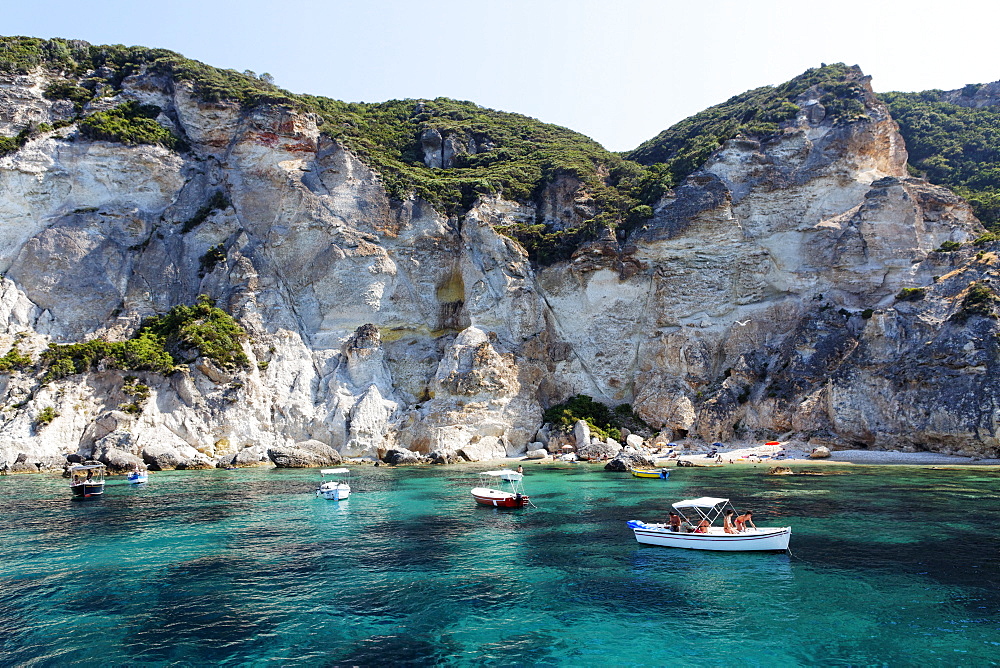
column 696, row 530
column 335, row 485
column 511, row 497
column 86, row 480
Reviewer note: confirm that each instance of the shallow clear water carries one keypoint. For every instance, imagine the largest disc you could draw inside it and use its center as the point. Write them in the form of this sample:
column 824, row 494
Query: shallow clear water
column 891, row 566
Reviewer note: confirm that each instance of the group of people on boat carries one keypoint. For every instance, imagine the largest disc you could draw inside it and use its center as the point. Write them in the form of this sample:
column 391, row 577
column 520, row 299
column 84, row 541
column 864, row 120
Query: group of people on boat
column 731, row 523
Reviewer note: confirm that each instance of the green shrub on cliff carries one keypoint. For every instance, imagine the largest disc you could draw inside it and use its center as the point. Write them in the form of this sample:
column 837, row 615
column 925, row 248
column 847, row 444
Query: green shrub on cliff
column 129, row 123
column 68, row 90
column 45, row 416
column 202, row 329
column 14, row 360
column 979, row 300
column 142, row 353
column 911, row 294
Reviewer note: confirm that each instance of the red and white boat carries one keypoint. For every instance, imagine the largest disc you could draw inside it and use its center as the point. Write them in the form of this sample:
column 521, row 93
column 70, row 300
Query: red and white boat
column 487, row 495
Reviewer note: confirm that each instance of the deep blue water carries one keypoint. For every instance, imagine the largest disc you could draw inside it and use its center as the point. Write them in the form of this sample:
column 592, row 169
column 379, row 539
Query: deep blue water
column 895, row 566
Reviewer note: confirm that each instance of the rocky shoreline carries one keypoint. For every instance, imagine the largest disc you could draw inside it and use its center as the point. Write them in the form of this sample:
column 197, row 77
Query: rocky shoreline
column 615, row 457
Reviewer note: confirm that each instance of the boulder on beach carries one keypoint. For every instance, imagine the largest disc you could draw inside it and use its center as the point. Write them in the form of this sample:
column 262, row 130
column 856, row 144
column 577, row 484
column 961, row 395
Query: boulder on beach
column 540, row 453
column 821, row 452
column 402, row 457
column 255, row 455
column 625, row 461
column 444, row 457
column 600, row 450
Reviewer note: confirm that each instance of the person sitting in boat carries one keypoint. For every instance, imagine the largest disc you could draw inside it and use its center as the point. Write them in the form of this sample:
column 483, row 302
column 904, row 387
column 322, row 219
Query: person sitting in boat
column 675, row 521
column 727, row 521
column 743, row 520
column 703, row 526
column 687, row 527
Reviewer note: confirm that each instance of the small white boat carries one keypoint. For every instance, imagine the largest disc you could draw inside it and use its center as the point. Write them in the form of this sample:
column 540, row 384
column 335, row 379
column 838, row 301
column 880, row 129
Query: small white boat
column 513, row 497
column 697, row 533
column 334, row 486
column 138, row 476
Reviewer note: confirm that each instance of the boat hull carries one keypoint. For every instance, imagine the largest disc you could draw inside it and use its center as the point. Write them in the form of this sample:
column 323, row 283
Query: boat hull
column 86, row 490
column 663, row 474
column 338, row 493
column 497, row 499
column 137, row 479
column 760, row 540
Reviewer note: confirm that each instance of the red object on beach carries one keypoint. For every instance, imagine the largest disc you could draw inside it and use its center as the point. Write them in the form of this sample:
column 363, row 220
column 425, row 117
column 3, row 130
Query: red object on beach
column 773, row 443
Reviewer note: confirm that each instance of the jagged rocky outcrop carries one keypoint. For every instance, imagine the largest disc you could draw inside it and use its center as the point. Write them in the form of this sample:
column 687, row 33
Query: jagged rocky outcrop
column 760, row 297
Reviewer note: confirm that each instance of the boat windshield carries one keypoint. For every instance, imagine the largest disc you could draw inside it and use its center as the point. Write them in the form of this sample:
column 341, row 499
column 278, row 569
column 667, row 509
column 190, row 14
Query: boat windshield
column 86, row 473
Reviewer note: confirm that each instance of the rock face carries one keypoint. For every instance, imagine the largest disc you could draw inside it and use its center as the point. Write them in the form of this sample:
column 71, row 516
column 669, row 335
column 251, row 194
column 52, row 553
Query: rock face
column 760, row 298
column 304, row 455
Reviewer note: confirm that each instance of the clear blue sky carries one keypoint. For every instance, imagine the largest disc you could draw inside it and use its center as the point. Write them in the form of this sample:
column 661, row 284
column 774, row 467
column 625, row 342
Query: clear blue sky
column 619, row 71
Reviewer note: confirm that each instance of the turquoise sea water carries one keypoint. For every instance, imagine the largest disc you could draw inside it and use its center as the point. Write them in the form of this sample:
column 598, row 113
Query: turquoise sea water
column 895, row 566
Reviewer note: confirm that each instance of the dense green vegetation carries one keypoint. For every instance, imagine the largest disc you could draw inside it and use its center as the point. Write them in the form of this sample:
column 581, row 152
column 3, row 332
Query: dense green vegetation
column 602, row 420
column 162, row 342
column 758, row 114
column 14, row 360
column 953, row 146
column 129, row 123
column 203, row 328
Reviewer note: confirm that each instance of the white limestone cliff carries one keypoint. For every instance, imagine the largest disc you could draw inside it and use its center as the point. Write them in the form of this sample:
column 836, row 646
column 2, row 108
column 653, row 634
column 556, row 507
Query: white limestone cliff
column 377, row 324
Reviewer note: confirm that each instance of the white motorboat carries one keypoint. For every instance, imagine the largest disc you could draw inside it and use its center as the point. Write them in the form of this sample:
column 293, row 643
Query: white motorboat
column 334, row 486
column 487, row 495
column 696, row 531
